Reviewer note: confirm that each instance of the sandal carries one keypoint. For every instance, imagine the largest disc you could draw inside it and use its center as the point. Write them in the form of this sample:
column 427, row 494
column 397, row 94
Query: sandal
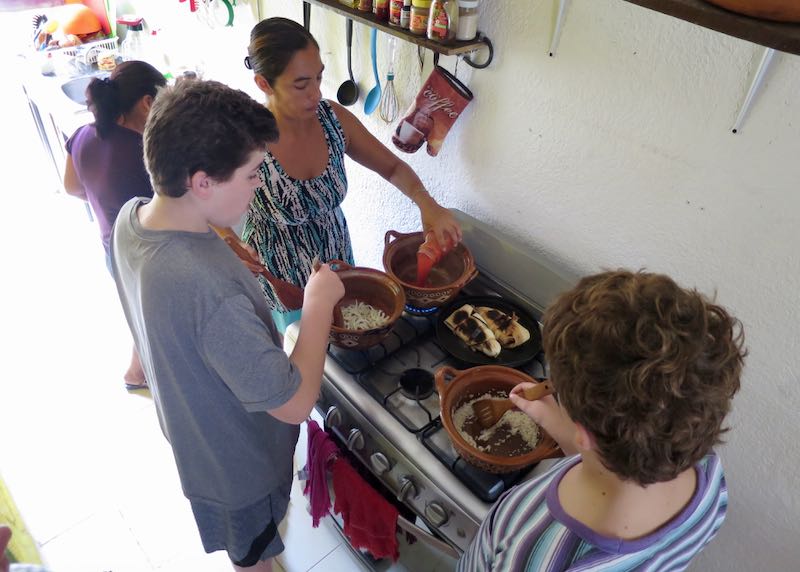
column 135, row 386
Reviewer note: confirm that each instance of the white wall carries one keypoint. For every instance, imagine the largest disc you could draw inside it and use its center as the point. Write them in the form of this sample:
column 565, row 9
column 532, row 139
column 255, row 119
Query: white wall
column 618, row 152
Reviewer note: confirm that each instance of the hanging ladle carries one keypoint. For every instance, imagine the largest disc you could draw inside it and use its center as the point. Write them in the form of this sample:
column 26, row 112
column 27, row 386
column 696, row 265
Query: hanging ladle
column 348, row 91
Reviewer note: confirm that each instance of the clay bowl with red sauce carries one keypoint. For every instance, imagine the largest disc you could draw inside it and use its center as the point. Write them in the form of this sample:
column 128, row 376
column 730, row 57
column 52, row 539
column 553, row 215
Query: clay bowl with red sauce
column 454, row 271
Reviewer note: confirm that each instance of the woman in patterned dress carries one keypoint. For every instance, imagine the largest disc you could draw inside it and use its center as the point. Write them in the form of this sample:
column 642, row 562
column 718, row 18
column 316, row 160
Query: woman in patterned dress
column 296, row 213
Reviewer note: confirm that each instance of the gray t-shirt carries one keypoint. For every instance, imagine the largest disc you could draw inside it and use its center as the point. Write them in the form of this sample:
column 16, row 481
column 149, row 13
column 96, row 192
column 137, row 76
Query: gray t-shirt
column 213, row 360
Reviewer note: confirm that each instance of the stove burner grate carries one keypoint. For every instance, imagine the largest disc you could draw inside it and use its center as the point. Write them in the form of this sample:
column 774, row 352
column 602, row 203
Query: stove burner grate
column 416, row 383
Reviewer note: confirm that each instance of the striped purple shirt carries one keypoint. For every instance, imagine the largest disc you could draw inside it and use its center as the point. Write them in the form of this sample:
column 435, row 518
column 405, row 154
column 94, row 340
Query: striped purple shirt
column 528, row 530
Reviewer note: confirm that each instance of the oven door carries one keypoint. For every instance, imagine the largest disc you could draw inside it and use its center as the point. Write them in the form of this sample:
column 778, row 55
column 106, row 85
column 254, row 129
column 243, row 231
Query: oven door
column 417, row 556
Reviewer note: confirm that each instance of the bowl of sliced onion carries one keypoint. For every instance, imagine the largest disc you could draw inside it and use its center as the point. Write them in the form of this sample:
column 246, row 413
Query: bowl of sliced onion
column 371, row 305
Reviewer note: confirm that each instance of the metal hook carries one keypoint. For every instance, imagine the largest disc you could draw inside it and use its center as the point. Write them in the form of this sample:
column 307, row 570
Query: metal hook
column 488, row 61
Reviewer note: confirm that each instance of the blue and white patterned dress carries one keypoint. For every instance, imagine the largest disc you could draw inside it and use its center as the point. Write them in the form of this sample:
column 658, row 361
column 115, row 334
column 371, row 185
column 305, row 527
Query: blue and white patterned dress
column 291, row 221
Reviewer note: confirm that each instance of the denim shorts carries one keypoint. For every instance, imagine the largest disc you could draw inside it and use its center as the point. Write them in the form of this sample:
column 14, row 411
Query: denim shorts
column 248, row 534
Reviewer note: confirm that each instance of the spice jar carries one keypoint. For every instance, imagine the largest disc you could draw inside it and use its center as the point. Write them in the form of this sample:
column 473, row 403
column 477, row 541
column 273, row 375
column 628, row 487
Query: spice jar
column 467, row 27
column 405, row 15
column 443, row 20
column 381, row 9
column 395, row 10
column 364, row 5
column 420, row 10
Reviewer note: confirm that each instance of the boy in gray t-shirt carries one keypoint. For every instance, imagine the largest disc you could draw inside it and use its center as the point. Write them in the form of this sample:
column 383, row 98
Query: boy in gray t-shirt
column 229, row 400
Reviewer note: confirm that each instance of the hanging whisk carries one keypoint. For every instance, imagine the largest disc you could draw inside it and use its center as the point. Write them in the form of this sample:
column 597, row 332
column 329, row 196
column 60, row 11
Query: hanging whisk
column 389, row 99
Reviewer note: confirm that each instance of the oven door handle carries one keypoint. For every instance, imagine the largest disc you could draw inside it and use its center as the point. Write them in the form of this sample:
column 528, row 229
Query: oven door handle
column 427, row 537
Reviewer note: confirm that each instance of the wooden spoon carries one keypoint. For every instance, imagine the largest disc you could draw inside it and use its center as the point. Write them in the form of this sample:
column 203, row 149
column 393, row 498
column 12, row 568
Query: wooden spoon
column 489, row 411
column 289, row 294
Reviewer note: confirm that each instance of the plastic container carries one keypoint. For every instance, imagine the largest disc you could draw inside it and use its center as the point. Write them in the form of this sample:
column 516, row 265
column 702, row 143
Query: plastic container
column 420, row 10
column 467, row 27
column 107, row 60
column 428, row 256
column 134, row 46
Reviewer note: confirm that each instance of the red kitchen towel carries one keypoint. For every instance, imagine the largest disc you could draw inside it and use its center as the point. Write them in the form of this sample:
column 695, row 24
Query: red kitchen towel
column 430, row 117
column 370, row 521
column 321, row 453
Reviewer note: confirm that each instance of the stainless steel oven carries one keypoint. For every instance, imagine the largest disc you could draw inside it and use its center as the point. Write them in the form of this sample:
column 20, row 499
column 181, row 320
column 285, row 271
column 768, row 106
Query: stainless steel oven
column 382, row 405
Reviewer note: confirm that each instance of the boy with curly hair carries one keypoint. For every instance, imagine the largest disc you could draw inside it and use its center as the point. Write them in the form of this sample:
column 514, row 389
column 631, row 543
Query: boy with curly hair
column 644, row 373
column 228, row 398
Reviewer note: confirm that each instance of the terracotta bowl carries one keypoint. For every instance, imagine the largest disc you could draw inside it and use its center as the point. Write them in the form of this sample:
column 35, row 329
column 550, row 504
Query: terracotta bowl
column 467, row 384
column 778, row 10
column 446, row 280
column 372, row 287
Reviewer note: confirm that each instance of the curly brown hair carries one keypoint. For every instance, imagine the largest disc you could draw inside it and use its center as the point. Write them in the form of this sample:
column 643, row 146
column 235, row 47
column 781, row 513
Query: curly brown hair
column 647, row 367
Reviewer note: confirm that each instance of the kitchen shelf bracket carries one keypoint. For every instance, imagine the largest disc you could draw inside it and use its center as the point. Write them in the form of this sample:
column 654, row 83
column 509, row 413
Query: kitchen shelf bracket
column 755, row 87
column 710, row 17
column 488, row 43
column 468, row 59
column 563, row 6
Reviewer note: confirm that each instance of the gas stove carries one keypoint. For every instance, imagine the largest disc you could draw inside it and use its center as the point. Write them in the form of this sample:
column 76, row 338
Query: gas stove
column 382, row 403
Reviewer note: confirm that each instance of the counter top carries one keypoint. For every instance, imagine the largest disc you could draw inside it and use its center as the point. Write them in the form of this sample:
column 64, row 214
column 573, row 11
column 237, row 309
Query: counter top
column 46, row 92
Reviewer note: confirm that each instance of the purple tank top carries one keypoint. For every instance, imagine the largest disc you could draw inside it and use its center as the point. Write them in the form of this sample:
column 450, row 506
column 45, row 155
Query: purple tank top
column 111, row 170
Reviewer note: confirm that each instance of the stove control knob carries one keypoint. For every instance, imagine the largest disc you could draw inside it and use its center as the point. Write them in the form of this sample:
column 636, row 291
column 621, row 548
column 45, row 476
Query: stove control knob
column 355, row 441
column 333, row 418
column 408, row 490
column 380, row 463
column 436, row 513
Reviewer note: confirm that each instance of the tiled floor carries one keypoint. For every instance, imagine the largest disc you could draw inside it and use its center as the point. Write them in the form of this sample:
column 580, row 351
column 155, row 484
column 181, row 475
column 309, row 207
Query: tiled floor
column 86, row 461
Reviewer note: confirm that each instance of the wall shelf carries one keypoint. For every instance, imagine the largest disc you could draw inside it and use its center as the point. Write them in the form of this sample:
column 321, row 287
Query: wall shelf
column 368, row 18
column 776, row 35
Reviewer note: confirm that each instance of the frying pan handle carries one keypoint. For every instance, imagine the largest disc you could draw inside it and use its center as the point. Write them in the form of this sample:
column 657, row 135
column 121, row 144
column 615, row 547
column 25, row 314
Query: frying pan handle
column 439, row 376
column 542, row 389
column 392, row 235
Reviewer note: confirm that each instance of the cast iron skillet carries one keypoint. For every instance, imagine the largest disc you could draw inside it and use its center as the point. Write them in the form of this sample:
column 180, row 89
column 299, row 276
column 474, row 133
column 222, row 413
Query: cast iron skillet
column 512, row 357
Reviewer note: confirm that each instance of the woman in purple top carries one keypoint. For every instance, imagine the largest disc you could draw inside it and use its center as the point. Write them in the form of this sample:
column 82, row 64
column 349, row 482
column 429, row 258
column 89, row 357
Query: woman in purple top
column 105, row 164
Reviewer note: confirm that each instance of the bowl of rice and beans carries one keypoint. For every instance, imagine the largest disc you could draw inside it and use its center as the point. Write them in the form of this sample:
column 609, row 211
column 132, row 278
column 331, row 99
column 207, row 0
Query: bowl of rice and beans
column 514, row 443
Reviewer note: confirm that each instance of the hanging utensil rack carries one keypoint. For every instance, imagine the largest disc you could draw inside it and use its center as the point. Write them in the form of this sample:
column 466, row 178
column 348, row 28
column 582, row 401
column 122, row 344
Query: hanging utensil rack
column 463, row 49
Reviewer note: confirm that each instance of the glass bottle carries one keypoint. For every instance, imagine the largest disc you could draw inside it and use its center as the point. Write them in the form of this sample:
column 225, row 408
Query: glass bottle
column 381, row 9
column 443, row 20
column 405, row 15
column 420, row 10
column 395, row 11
